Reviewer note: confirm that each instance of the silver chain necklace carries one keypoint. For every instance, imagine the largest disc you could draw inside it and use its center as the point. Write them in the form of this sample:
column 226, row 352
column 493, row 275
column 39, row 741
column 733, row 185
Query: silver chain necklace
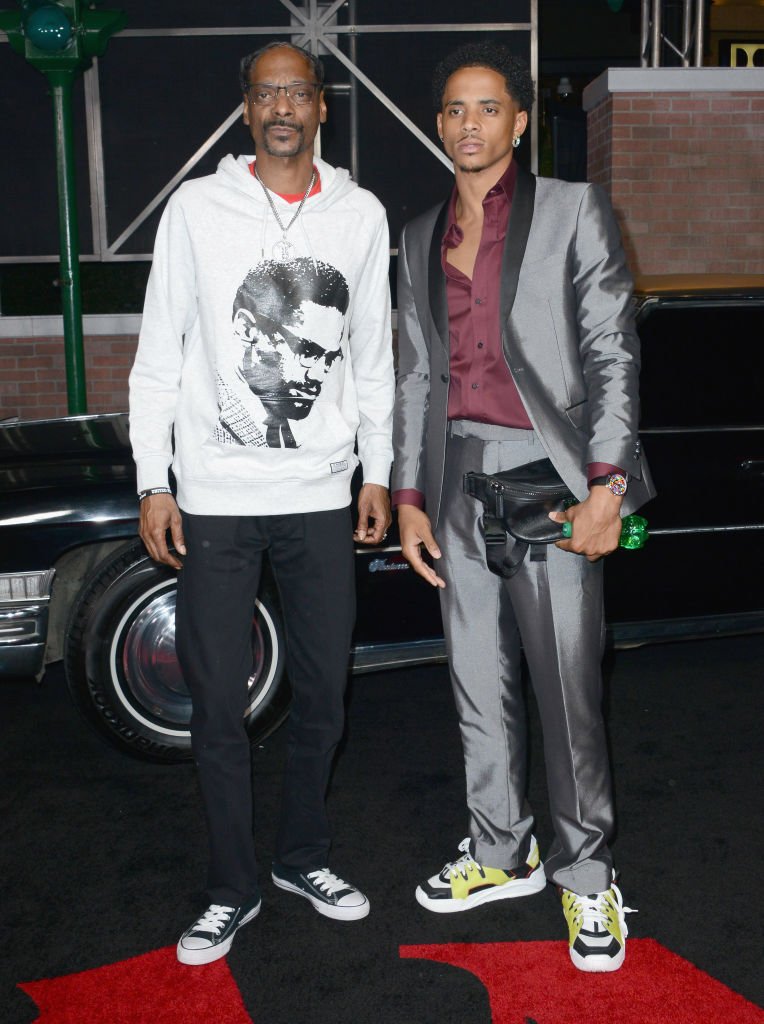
column 283, row 250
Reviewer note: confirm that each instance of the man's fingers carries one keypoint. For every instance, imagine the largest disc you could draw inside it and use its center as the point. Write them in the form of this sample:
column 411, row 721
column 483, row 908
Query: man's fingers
column 432, row 546
column 159, row 513
column 161, row 552
column 416, row 531
column 364, row 509
column 375, row 533
column 418, row 564
column 374, row 515
column 412, row 552
column 176, row 531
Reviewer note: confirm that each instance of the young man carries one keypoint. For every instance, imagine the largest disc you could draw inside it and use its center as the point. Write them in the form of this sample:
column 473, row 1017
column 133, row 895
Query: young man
column 264, row 356
column 516, row 343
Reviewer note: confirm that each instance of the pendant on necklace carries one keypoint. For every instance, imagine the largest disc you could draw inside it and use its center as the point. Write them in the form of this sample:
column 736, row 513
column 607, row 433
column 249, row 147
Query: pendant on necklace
column 283, row 250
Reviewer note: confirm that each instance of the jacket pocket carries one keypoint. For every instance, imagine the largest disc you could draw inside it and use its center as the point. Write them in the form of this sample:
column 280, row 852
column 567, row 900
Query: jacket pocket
column 578, row 414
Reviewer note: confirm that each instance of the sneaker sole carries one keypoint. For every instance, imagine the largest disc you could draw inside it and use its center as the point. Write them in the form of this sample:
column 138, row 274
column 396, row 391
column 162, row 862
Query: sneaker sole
column 510, row 890
column 596, row 963
column 198, row 957
column 326, row 909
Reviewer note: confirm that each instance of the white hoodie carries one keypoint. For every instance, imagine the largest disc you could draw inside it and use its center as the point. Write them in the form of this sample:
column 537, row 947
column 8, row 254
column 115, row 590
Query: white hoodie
column 197, row 356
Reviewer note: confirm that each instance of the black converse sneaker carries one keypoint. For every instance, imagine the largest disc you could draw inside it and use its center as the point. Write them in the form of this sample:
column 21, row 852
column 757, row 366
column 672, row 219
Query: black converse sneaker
column 329, row 894
column 211, row 936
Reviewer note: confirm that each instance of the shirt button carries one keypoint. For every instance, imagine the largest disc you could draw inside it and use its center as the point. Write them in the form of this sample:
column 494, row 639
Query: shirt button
column 475, row 387
column 480, row 344
column 478, row 302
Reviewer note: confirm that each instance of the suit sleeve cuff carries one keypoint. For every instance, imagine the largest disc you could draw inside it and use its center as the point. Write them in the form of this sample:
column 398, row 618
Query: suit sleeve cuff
column 595, row 469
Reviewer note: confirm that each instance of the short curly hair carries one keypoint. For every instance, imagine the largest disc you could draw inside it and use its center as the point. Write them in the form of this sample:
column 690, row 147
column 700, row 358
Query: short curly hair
column 514, row 70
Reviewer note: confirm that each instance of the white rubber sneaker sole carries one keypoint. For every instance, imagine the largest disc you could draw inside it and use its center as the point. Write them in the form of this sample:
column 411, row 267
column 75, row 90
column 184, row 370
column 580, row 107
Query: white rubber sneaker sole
column 327, row 909
column 208, row 954
column 510, row 890
column 596, row 963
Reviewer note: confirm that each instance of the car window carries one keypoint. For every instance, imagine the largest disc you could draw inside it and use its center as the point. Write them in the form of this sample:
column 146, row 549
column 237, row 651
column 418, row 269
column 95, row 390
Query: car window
column 702, row 364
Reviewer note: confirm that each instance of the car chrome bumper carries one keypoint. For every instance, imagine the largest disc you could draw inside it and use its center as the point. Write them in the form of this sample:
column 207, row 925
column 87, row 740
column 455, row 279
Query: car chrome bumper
column 24, row 604
column 380, row 657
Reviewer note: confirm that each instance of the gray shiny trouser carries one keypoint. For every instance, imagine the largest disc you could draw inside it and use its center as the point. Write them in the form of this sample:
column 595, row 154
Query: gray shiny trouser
column 553, row 609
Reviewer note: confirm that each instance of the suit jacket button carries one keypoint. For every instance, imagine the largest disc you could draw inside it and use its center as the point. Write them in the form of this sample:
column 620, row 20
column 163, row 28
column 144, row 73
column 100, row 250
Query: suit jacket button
column 444, row 378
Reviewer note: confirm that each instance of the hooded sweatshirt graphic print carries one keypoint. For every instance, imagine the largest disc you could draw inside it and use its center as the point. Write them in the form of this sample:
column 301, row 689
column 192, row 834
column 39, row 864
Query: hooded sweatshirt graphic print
column 263, row 371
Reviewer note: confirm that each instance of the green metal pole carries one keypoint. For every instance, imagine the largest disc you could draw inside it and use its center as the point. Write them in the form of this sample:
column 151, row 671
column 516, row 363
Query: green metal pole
column 74, row 355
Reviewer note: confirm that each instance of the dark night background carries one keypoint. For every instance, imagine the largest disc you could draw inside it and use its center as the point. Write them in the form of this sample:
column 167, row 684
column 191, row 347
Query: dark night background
column 162, row 97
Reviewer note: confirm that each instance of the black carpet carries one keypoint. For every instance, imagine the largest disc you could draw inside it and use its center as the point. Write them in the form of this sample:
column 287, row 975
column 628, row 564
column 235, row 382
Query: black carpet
column 103, row 857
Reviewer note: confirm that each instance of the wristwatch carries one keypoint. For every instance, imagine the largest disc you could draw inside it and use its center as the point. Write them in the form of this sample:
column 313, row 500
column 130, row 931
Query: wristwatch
column 616, row 483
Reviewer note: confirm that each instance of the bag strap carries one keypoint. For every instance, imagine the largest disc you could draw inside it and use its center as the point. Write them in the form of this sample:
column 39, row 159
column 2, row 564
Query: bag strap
column 503, row 559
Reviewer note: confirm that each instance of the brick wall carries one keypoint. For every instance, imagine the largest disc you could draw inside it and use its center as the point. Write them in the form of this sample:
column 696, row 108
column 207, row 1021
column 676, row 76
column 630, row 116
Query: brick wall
column 33, row 376
column 684, row 167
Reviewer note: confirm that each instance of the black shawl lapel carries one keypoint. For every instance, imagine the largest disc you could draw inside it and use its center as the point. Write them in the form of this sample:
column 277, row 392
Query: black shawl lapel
column 516, row 240
column 436, row 279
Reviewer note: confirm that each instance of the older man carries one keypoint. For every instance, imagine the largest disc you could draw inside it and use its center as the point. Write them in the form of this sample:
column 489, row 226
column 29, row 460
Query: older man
column 264, row 356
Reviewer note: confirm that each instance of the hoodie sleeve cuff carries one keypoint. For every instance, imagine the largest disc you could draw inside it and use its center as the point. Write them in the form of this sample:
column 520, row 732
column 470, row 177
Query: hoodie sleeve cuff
column 377, row 471
column 152, row 472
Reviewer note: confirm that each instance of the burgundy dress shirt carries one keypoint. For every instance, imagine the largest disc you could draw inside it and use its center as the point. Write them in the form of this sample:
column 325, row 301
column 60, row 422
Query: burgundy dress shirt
column 481, row 387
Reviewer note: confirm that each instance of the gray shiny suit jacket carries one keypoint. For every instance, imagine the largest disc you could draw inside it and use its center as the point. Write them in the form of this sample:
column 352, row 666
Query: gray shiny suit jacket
column 567, row 332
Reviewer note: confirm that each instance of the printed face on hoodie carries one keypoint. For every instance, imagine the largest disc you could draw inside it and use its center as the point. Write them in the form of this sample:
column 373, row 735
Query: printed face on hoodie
column 283, row 129
column 289, row 319
column 286, row 366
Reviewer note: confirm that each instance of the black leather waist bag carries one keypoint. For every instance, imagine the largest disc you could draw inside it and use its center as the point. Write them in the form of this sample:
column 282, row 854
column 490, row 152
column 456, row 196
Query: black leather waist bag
column 517, row 504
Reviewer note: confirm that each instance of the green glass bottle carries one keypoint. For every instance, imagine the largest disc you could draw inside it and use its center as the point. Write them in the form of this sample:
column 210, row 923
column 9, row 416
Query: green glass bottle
column 633, row 532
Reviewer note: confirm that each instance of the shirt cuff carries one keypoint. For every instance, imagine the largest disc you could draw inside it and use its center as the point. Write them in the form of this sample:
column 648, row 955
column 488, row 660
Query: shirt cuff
column 408, row 496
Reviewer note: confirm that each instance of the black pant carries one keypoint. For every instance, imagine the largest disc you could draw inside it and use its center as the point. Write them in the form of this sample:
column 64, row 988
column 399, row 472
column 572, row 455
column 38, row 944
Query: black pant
column 312, row 560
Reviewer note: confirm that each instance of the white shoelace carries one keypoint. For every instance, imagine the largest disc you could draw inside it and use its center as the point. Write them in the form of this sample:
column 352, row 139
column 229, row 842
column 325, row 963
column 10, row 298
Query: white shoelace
column 214, row 919
column 594, row 911
column 464, row 864
column 325, row 880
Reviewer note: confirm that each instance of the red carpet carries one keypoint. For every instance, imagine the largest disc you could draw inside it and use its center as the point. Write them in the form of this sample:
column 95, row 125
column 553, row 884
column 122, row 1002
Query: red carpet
column 535, row 983
column 149, row 989
column 527, row 982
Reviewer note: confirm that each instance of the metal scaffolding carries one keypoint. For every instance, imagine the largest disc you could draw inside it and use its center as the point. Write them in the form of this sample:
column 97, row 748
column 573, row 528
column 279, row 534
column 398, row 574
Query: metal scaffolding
column 654, row 42
column 313, row 25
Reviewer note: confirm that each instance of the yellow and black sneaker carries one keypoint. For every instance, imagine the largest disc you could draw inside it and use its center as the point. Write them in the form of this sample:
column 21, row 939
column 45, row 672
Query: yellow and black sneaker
column 464, row 884
column 596, row 929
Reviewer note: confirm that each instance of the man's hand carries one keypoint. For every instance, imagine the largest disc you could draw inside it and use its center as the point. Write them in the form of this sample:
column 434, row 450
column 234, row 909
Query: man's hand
column 596, row 524
column 160, row 513
column 373, row 508
column 415, row 530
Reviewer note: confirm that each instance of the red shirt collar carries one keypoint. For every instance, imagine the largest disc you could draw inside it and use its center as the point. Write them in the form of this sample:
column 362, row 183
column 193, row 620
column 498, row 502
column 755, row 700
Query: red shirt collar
column 288, row 196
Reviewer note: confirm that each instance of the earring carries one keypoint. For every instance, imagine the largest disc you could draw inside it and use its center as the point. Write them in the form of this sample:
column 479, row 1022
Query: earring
column 515, row 141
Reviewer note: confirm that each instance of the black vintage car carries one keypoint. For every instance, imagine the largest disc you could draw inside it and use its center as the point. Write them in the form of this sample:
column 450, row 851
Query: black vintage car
column 75, row 582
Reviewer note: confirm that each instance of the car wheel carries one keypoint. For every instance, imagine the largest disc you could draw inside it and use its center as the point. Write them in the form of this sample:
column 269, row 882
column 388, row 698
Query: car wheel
column 121, row 667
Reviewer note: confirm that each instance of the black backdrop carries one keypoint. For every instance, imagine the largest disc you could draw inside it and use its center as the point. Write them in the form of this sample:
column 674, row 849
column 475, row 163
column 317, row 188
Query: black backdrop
column 162, row 97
